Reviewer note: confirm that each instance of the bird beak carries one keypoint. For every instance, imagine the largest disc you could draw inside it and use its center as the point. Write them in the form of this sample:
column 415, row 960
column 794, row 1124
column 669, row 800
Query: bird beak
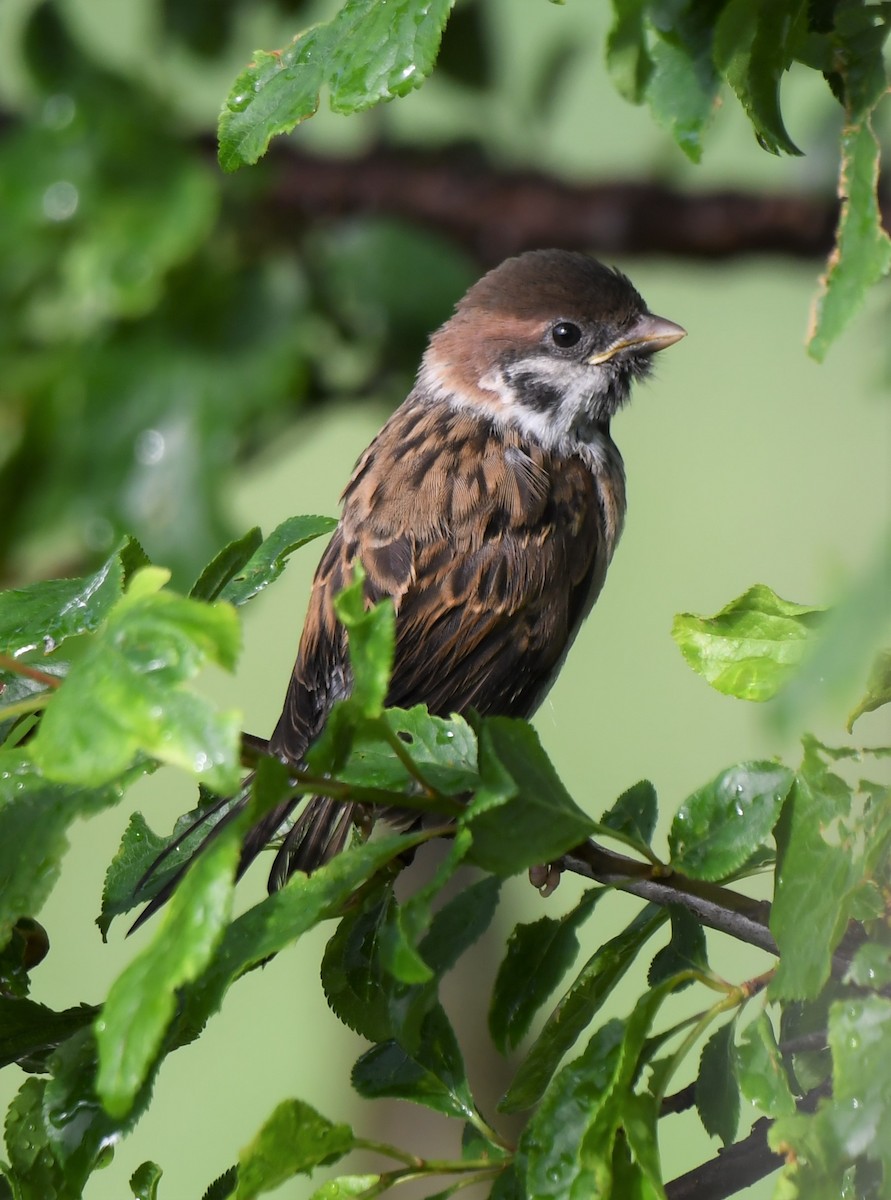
column 648, row 334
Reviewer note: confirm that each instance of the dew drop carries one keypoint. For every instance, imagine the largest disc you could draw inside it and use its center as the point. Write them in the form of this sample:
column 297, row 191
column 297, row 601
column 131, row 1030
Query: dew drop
column 60, row 201
column 150, row 447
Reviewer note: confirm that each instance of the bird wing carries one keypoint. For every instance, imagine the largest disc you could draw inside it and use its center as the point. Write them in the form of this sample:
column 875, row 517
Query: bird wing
column 492, row 551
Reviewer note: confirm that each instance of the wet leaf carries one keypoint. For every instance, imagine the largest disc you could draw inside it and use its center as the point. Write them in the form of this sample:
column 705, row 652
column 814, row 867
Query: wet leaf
column 124, row 695
column 755, row 42
column 42, row 615
column 582, row 1001
column 819, row 871
column 686, row 951
column 537, row 957
column 294, row 1141
column 364, row 55
column 752, row 646
column 878, row 688
column 34, row 818
column 717, row 1090
column 432, row 1075
column 144, row 1181
column 721, row 825
column 534, row 819
column 142, row 1000
column 634, row 814
column 268, row 558
column 761, row 1071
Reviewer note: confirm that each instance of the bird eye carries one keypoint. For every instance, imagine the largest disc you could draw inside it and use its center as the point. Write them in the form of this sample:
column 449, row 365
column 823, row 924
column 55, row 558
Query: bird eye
column 565, row 334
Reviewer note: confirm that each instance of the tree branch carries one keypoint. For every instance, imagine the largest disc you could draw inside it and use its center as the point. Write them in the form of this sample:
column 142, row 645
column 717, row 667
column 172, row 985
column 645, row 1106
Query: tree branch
column 735, row 1167
column 494, row 212
column 738, row 1166
column 718, row 907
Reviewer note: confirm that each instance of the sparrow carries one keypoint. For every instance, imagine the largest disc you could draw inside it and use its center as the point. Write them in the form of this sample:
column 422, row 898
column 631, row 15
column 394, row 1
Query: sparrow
column 487, row 508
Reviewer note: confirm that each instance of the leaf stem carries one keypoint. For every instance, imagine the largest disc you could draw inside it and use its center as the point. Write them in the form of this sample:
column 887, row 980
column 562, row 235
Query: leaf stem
column 29, row 705
column 14, row 665
column 396, row 744
column 734, row 999
column 320, row 785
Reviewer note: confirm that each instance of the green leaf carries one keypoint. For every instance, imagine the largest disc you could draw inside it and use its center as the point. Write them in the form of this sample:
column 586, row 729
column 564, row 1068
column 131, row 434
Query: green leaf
column 819, row 871
column 223, row 1186
column 567, row 1147
column 27, row 947
column 36, row 1173
column 268, row 558
column 443, row 750
column 721, row 825
column 412, row 918
column 627, row 51
column 717, row 1090
column 360, row 988
column 878, row 688
column 139, row 848
column 755, row 44
column 682, row 89
column 860, row 1040
column 30, row 1032
column 870, row 967
column 552, row 1153
column 761, row 1071
column 854, row 1123
column 42, row 615
column 282, row 918
column 862, row 253
column 347, row 1186
column 752, row 646
column 34, row 817
column 594, row 983
column 432, row 1075
column 686, row 951
column 79, row 1129
column 124, row 695
column 372, row 646
column 634, row 814
column 367, row 53
column 294, row 1141
column 223, row 566
column 144, row 1181
column 355, row 983
column 628, row 1178
column 142, row 999
column 640, row 1117
column 372, row 643
column 534, row 819
column 537, row 957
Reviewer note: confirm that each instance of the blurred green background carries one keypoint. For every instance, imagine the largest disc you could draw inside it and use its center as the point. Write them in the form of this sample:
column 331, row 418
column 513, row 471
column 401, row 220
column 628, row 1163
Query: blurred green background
column 181, row 363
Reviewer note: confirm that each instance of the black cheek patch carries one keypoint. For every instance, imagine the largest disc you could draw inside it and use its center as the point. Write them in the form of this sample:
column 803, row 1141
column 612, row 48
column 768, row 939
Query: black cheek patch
column 534, row 392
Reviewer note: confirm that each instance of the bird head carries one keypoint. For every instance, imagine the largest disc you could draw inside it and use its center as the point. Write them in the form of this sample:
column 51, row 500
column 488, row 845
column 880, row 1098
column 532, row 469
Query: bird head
column 549, row 342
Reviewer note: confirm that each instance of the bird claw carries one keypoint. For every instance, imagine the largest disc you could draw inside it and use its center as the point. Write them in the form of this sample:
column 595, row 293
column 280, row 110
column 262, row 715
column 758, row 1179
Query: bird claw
column 545, row 878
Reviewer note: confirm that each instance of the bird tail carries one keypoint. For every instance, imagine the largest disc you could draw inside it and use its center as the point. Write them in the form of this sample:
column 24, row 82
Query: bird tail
column 320, row 832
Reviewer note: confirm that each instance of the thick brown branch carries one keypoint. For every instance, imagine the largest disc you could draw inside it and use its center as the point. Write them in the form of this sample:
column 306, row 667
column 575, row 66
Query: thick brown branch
column 736, row 1167
column 494, row 213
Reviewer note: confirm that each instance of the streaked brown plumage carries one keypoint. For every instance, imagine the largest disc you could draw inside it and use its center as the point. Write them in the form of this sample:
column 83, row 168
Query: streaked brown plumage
column 488, row 507
column 489, row 520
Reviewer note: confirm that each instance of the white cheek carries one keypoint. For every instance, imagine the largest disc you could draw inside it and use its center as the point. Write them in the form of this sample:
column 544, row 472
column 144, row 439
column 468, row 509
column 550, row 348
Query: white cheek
column 555, row 428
